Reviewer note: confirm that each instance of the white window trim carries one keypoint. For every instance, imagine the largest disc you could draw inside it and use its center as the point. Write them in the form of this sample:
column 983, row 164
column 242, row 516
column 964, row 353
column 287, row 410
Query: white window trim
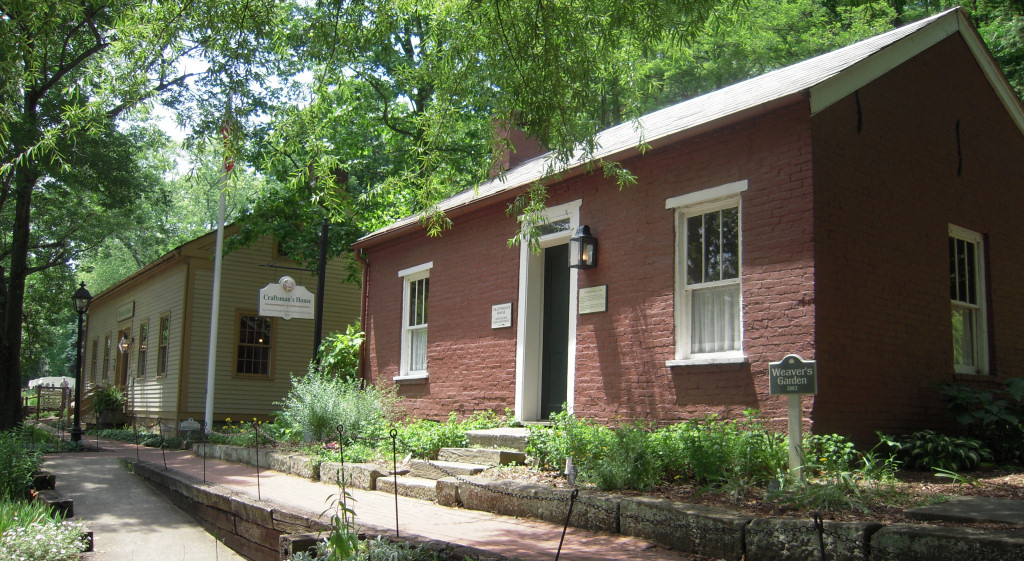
column 705, row 200
column 981, row 344
column 409, row 276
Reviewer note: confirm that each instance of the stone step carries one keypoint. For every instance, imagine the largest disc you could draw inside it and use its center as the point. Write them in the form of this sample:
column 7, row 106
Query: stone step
column 409, row 486
column 437, row 469
column 507, row 438
column 483, row 456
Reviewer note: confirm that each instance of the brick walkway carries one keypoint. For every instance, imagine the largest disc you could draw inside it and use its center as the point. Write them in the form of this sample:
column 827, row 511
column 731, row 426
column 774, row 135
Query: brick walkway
column 513, row 537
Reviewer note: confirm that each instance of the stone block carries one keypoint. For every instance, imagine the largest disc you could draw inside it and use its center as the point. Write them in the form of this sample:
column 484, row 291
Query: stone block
column 437, row 469
column 448, row 492
column 44, row 481
column 279, row 462
column 256, row 533
column 508, row 438
column 249, row 510
column 303, row 467
column 707, row 531
column 544, row 502
column 415, row 487
column 289, row 544
column 483, row 456
column 296, row 523
column 65, row 506
column 915, row 542
column 217, row 518
column 784, row 539
column 360, row 476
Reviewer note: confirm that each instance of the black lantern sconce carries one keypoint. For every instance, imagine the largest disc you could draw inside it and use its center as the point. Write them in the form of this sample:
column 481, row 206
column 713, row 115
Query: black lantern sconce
column 582, row 249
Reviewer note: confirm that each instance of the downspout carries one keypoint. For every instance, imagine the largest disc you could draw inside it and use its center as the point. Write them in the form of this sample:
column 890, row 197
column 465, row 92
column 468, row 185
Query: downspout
column 364, row 295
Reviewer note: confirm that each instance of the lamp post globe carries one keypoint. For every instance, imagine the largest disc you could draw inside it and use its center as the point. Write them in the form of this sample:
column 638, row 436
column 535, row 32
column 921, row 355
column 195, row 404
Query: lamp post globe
column 81, row 300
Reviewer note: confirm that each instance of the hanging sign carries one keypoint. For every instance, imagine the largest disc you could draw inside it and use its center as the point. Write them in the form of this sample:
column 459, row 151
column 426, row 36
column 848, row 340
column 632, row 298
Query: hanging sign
column 286, row 300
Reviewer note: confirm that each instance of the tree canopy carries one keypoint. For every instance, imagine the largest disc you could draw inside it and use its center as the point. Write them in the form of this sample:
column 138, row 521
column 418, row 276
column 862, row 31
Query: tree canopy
column 357, row 112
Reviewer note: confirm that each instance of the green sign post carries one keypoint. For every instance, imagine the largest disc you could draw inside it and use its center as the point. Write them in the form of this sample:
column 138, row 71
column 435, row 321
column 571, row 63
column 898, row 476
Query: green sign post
column 793, row 377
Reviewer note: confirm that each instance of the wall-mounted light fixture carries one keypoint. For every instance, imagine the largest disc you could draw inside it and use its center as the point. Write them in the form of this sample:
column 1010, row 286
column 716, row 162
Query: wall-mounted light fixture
column 125, row 344
column 582, row 249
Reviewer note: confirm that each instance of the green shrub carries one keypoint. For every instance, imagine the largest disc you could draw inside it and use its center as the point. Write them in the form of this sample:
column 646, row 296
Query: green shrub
column 424, row 439
column 997, row 419
column 107, row 398
column 338, row 354
column 17, row 464
column 928, row 450
column 829, row 454
column 29, row 531
column 318, row 402
column 625, row 462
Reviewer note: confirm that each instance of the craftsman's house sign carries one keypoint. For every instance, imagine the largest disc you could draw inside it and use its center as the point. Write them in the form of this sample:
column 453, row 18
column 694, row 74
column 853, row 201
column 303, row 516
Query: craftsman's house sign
column 286, row 300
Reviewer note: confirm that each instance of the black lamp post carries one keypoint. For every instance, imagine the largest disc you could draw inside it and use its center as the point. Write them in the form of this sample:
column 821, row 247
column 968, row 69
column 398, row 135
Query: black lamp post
column 81, row 299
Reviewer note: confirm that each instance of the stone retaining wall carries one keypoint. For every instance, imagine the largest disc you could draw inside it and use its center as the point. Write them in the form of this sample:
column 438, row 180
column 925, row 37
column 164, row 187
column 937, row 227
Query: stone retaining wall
column 711, row 532
column 264, row 531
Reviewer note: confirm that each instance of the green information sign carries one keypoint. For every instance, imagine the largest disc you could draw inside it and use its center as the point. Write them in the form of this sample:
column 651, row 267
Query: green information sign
column 792, row 375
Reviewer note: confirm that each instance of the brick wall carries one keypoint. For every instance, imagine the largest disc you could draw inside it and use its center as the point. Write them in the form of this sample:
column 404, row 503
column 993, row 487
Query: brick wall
column 621, row 353
column 885, row 195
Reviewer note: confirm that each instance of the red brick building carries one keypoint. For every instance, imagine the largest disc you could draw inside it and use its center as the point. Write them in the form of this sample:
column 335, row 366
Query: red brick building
column 844, row 209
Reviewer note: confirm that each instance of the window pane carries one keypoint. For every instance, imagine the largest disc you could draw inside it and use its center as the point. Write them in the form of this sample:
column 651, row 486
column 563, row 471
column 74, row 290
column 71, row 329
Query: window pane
column 952, row 269
column 715, row 321
column 418, row 351
column 971, row 273
column 963, row 336
column 961, row 265
column 694, row 249
column 731, row 243
column 712, row 247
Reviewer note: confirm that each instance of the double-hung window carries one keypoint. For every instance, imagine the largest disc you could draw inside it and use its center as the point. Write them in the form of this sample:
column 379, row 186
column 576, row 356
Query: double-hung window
column 708, row 275
column 143, row 349
column 163, row 340
column 415, row 296
column 967, row 298
column 252, row 355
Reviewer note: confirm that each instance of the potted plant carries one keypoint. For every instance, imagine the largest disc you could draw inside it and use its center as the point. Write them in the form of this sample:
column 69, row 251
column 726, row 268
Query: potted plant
column 108, row 403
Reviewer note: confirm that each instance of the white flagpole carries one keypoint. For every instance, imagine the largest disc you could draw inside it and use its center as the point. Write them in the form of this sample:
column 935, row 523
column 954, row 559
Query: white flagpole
column 211, row 362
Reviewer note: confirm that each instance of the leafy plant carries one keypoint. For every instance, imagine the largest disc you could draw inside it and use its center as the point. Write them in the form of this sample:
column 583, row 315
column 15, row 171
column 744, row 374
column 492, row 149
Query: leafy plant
column 927, row 449
column 318, row 402
column 626, row 463
column 338, row 354
column 957, row 478
column 996, row 419
column 29, row 530
column 107, row 398
column 17, row 464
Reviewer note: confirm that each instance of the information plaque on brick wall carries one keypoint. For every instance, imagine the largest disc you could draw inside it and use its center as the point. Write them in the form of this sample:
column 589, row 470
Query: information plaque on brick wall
column 593, row 299
column 501, row 315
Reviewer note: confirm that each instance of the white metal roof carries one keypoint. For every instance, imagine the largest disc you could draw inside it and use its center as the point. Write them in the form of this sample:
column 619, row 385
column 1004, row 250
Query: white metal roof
column 824, row 79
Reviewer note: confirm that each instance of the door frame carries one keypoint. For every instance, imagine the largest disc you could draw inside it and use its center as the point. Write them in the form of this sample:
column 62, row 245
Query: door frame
column 529, row 320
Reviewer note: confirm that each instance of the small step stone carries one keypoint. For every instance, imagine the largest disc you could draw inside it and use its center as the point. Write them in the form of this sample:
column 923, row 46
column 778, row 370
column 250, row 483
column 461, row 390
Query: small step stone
column 483, row 456
column 507, row 438
column 438, row 469
column 410, row 486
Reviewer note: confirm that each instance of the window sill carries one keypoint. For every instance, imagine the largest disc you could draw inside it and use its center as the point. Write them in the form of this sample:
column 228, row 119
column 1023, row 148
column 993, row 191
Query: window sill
column 707, row 361
column 411, row 379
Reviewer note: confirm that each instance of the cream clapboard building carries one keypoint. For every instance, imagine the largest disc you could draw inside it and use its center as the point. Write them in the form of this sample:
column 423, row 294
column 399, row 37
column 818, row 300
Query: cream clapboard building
column 163, row 311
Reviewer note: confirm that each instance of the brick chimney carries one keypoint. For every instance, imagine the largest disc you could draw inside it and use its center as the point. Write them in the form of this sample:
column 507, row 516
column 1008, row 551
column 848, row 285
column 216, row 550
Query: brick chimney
column 512, row 147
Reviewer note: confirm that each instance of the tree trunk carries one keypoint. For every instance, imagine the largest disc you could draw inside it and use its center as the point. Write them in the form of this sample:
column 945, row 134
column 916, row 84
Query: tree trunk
column 10, row 343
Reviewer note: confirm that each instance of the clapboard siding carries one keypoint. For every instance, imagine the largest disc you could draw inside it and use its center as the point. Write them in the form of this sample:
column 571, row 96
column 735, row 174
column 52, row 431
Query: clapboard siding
column 180, row 285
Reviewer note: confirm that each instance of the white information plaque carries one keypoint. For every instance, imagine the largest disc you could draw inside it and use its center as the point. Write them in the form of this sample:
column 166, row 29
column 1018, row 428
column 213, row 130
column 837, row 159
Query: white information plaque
column 501, row 315
column 593, row 300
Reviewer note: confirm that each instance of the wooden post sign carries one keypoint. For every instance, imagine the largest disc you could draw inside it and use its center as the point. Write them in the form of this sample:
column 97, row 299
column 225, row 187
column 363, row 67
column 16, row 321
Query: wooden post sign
column 793, row 377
